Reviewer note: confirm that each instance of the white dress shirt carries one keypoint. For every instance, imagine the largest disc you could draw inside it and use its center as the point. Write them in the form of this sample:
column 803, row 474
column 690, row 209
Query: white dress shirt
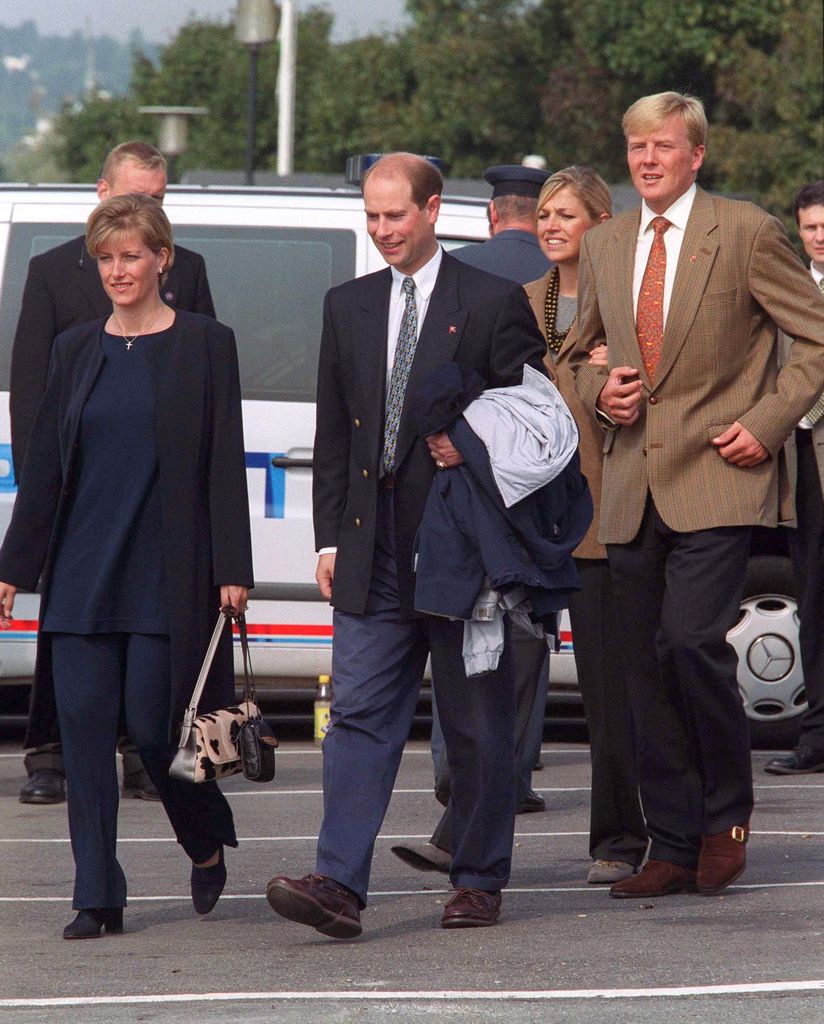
column 678, row 214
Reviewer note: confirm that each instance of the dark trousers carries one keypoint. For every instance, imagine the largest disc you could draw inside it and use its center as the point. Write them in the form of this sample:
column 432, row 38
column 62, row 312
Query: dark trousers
column 377, row 665
column 616, row 823
column 676, row 597
column 529, row 659
column 92, row 674
column 807, row 553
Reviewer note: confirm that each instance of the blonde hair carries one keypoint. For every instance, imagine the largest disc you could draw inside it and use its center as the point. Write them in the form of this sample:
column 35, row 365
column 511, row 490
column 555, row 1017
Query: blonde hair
column 131, row 212
column 646, row 114
column 587, row 186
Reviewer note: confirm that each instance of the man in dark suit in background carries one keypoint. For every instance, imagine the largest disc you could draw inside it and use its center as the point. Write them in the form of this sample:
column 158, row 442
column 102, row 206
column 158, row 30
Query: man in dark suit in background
column 805, row 460
column 372, row 475
column 63, row 289
column 513, row 250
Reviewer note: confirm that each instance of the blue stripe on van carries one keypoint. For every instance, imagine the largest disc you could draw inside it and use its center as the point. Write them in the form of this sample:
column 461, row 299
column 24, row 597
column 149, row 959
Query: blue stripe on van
column 275, row 497
column 7, row 481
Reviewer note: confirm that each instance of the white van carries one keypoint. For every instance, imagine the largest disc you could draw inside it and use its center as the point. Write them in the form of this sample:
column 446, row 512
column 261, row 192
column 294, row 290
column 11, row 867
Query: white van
column 271, row 254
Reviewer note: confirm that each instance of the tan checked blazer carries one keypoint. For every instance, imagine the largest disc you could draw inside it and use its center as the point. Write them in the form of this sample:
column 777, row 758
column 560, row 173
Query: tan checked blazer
column 737, row 273
column 591, row 436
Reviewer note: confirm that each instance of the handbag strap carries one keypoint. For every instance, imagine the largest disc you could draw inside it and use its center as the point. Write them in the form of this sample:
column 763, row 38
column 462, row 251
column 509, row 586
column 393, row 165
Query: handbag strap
column 191, row 710
column 248, row 676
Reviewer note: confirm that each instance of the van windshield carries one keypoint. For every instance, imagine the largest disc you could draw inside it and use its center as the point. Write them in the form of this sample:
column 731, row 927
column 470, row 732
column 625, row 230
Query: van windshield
column 267, row 284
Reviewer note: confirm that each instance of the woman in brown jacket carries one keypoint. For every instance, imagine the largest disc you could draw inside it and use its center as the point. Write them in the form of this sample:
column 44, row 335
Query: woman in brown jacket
column 571, row 202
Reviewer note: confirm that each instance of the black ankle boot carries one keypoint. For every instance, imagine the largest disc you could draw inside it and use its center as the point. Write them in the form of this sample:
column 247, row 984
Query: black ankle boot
column 207, row 885
column 90, row 923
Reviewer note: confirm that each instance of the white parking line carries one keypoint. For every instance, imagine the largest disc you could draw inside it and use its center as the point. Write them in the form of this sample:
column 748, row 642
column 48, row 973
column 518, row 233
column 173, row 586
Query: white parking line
column 370, row 995
column 549, row 890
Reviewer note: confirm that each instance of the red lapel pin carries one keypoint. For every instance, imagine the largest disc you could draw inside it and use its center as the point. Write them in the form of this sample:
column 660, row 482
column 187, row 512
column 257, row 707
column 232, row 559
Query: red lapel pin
column 453, row 329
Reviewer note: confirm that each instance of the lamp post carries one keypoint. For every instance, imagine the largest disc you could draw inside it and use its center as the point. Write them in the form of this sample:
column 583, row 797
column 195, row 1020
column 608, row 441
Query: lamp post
column 174, row 132
column 255, row 26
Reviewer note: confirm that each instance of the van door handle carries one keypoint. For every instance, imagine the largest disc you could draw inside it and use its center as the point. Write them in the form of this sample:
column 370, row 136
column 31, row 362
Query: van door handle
column 284, row 462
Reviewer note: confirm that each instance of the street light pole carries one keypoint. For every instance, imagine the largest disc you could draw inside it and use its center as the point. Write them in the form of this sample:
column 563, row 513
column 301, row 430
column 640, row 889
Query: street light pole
column 254, row 27
column 287, row 68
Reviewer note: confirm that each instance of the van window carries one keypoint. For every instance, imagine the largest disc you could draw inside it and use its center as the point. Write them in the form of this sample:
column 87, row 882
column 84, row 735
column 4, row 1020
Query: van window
column 267, row 284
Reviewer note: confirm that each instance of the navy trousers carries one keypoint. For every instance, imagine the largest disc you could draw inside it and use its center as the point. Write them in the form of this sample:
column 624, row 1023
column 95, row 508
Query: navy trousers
column 92, row 674
column 377, row 666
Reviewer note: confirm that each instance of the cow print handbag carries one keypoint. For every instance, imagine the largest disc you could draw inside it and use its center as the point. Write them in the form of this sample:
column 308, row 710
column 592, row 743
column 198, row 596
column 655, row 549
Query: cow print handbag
column 232, row 740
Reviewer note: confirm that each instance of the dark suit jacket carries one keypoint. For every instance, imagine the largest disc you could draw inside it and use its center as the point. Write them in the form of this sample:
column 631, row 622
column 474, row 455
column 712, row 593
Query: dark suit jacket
column 513, row 254
column 202, row 478
column 478, row 320
column 63, row 289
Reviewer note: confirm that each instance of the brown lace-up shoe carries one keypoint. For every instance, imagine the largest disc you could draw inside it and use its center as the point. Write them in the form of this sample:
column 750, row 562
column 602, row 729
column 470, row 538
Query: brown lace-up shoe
column 656, row 878
column 722, row 859
column 471, row 908
column 318, row 901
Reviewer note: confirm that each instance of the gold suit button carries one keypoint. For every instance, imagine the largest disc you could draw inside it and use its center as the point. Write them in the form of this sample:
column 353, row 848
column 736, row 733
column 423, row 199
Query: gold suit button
column 357, row 422
column 357, row 521
column 365, row 474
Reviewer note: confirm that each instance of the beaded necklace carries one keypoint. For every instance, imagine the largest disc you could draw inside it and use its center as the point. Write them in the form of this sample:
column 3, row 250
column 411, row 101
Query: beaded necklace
column 554, row 339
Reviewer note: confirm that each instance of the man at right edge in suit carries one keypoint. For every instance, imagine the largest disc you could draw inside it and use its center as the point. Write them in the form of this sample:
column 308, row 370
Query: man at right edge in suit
column 805, row 461
column 382, row 335
column 686, row 296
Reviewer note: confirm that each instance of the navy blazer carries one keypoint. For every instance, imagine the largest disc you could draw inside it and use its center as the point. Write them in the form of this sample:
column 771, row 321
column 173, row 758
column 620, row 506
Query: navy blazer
column 478, row 320
column 62, row 289
column 206, row 539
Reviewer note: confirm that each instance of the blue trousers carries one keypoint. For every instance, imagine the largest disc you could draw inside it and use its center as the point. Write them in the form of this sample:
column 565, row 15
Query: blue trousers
column 377, row 666
column 92, row 674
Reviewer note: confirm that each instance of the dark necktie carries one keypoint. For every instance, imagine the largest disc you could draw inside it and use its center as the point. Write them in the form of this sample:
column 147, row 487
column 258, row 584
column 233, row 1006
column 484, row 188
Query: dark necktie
column 649, row 320
column 404, row 354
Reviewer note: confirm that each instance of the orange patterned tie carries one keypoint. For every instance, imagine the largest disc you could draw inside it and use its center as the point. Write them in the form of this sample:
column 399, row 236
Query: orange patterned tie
column 649, row 320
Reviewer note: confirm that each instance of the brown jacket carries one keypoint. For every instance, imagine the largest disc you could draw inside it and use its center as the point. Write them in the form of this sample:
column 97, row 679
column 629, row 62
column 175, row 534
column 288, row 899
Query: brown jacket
column 737, row 277
column 591, row 436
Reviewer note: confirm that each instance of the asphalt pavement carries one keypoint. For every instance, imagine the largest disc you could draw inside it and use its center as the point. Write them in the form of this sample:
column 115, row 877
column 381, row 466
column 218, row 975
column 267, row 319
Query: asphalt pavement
column 563, row 950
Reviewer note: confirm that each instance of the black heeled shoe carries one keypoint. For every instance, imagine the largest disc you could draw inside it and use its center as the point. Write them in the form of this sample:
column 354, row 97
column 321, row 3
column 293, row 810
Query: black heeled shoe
column 207, row 885
column 90, row 923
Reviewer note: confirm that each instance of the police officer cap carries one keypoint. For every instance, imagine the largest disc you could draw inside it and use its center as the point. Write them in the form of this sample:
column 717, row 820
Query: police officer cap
column 515, row 180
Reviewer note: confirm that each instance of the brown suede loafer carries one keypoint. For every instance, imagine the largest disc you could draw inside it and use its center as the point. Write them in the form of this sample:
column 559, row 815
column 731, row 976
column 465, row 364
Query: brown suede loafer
column 723, row 859
column 318, row 901
column 656, row 878
column 471, row 908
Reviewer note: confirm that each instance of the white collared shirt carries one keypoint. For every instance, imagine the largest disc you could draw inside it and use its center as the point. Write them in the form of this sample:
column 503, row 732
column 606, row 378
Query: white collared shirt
column 424, row 286
column 678, row 214
column 816, row 276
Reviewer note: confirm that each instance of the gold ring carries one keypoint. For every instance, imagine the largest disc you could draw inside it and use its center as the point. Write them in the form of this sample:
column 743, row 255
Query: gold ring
column 440, row 464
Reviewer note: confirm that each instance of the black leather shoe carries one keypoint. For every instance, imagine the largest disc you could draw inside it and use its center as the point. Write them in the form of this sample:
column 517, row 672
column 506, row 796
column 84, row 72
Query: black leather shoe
column 207, row 885
column 530, row 804
column 137, row 784
column 44, row 786
column 799, row 762
column 423, row 856
column 90, row 923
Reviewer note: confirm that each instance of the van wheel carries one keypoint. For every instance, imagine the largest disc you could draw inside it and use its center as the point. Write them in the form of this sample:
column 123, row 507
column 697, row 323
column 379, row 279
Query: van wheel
column 765, row 637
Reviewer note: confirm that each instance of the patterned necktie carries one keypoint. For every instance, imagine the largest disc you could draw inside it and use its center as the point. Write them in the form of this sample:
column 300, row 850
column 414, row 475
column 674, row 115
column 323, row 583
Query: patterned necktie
column 649, row 320
column 817, row 411
column 404, row 354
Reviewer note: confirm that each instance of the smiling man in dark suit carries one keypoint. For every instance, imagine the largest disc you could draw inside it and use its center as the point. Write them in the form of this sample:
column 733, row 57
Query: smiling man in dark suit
column 63, row 289
column 382, row 335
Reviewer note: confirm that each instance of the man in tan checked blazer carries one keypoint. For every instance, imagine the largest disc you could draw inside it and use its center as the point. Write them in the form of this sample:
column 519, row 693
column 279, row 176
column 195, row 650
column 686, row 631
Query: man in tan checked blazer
column 695, row 417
